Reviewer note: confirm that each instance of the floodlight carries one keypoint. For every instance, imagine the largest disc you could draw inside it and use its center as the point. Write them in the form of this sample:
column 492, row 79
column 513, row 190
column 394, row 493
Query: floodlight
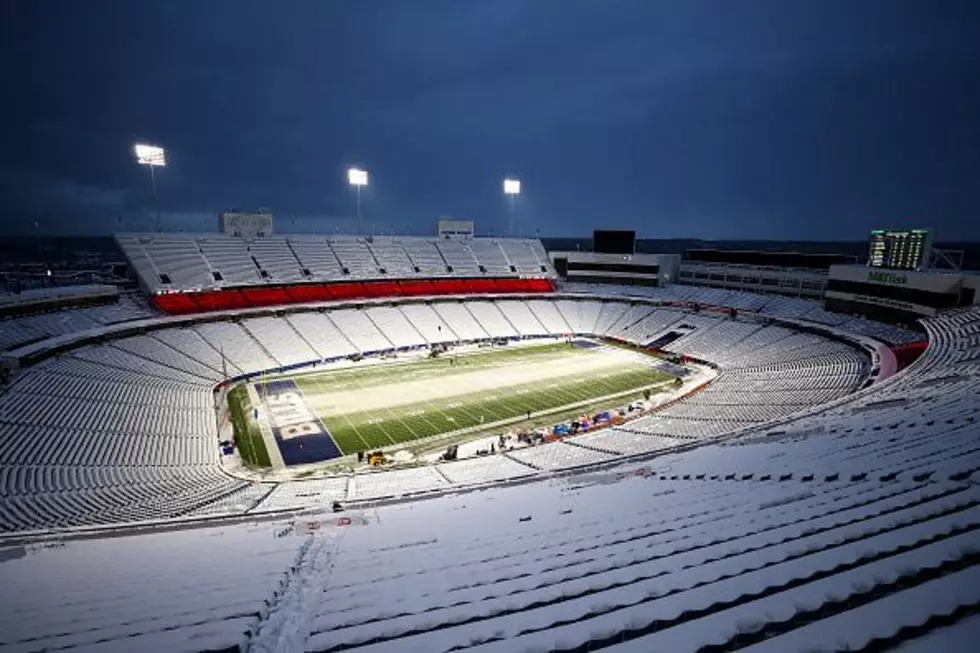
column 150, row 155
column 512, row 186
column 357, row 177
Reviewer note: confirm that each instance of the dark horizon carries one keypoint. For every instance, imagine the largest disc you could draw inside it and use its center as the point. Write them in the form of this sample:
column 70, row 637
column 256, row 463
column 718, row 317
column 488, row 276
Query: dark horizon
column 769, row 120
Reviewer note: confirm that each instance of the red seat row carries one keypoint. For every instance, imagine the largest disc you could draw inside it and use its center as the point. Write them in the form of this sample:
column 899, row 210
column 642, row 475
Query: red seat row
column 237, row 298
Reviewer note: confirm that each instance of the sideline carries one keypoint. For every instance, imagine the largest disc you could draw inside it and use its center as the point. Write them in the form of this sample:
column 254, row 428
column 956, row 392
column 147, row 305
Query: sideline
column 271, row 446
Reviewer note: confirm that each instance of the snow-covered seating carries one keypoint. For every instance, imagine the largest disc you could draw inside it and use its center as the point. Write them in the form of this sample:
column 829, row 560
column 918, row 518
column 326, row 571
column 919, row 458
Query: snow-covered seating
column 490, row 257
column 549, row 316
column 458, row 257
column 317, row 258
column 527, row 256
column 522, row 318
column 689, row 564
column 155, row 350
column 428, row 323
column 392, row 323
column 234, row 343
column 322, row 334
column 179, row 259
column 359, row 329
column 276, row 259
column 558, row 455
column 391, row 257
column 145, row 592
column 645, row 329
column 303, row 494
column 194, row 346
column 460, row 320
column 276, row 336
column 19, row 331
column 491, row 319
column 609, row 314
column 396, row 483
column 581, row 315
column 355, row 257
column 625, row 443
column 230, row 258
column 488, row 469
column 424, row 256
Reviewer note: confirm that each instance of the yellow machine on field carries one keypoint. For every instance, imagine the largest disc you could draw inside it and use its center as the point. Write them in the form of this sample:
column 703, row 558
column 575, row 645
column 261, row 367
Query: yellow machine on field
column 376, row 458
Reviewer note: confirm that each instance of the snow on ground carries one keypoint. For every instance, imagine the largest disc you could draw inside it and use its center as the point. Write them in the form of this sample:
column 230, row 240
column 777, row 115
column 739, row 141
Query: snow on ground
column 513, row 373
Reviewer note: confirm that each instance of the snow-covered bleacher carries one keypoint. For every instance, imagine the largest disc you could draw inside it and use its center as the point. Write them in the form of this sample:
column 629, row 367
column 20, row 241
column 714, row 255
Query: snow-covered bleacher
column 193, row 345
column 459, row 258
column 359, row 329
column 155, row 388
column 275, row 258
column 523, row 319
column 491, row 319
column 641, row 563
column 175, row 262
column 549, row 316
column 581, row 315
column 391, row 257
column 560, row 455
column 395, row 327
column 460, row 320
column 775, row 305
column 528, row 256
column 835, row 519
column 17, row 331
column 609, row 314
column 95, row 439
column 276, row 336
column 236, row 345
column 425, row 257
column 321, row 333
column 355, row 257
column 317, row 258
column 490, row 257
column 311, row 492
column 396, row 483
column 195, row 262
column 428, row 323
column 230, row 259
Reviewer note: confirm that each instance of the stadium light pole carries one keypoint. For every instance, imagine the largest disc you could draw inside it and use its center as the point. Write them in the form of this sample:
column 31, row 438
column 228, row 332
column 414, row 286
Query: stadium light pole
column 152, row 156
column 357, row 178
column 512, row 188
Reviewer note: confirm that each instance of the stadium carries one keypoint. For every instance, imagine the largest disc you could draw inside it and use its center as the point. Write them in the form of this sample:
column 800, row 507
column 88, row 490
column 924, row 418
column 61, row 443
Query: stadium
column 490, row 326
column 444, row 443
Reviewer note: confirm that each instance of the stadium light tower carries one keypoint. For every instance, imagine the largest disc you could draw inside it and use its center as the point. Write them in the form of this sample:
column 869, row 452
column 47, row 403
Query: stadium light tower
column 512, row 188
column 151, row 156
column 357, row 178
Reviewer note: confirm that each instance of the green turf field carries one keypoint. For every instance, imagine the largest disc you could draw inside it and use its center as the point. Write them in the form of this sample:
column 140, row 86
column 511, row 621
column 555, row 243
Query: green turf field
column 381, row 405
column 251, row 446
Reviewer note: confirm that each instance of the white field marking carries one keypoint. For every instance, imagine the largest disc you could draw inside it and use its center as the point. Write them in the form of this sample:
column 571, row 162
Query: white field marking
column 356, row 432
column 584, row 363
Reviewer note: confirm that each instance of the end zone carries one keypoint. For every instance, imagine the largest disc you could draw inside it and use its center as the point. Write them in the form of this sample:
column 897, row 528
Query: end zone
column 300, row 435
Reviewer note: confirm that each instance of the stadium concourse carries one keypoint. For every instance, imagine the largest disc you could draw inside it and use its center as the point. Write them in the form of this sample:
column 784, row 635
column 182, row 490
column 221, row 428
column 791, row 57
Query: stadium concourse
column 808, row 499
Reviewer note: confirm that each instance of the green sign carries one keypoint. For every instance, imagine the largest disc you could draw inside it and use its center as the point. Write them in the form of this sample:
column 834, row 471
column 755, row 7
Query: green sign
column 888, row 277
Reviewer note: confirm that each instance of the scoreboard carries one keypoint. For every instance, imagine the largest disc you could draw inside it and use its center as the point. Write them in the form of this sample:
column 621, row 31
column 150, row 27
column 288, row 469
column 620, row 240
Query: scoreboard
column 906, row 249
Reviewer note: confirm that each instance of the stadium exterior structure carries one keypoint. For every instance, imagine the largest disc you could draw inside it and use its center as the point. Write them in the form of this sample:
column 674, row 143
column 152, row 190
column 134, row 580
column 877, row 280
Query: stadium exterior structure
column 843, row 518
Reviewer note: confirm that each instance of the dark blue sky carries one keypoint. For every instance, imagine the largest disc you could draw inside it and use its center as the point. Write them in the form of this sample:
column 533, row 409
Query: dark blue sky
column 719, row 119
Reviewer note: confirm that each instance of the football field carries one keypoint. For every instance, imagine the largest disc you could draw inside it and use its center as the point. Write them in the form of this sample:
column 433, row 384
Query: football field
column 372, row 406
